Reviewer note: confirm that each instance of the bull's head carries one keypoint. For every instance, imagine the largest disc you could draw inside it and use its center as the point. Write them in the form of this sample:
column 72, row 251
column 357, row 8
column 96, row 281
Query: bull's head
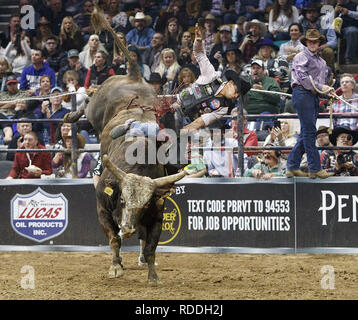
column 137, row 192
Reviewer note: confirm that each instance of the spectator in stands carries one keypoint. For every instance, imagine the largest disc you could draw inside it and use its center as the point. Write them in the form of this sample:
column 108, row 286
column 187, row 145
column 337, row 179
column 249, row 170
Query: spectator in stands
column 220, row 163
column 288, row 50
column 5, row 130
column 99, row 72
column 239, row 33
column 251, row 9
column 262, row 102
column 30, row 76
column 156, row 81
column 70, row 79
column 12, row 91
column 231, row 60
column 70, row 35
column 73, row 63
column 348, row 10
column 119, row 60
column 141, row 35
column 44, row 90
column 216, row 53
column 322, row 140
column 229, row 12
column 5, row 69
column 43, row 31
column 281, row 16
column 276, row 66
column 172, row 34
column 89, row 51
column 53, row 55
column 210, row 34
column 270, row 167
column 18, row 53
column 62, row 131
column 186, row 47
column 348, row 85
column 63, row 161
column 341, row 162
column 52, row 109
column 144, row 69
column 249, row 137
column 168, row 67
column 119, row 18
column 255, row 30
column 12, row 30
column 30, row 165
column 55, row 13
column 83, row 20
column 175, row 10
column 312, row 19
column 185, row 78
column 151, row 56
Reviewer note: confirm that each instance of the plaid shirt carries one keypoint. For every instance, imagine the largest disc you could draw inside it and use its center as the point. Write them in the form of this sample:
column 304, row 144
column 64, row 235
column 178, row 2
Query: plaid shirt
column 341, row 107
column 250, row 50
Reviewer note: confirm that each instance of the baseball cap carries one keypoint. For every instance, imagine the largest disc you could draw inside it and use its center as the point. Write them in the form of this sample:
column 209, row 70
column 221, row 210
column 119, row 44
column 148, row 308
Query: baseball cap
column 72, row 53
column 56, row 89
column 11, row 79
column 225, row 28
column 258, row 62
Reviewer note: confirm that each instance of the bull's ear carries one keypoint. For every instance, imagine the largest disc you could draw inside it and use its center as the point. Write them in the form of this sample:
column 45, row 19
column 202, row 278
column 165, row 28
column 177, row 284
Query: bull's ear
column 163, row 181
column 118, row 173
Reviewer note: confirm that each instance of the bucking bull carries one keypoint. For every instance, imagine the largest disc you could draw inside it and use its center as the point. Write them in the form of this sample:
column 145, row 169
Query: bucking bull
column 130, row 197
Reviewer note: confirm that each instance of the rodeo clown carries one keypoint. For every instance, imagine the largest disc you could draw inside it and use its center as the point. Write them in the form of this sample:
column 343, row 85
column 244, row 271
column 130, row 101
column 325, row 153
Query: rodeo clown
column 211, row 96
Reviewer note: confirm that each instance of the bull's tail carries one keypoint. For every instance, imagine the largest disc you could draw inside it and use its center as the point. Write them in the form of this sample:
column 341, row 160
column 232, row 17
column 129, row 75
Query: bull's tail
column 100, row 23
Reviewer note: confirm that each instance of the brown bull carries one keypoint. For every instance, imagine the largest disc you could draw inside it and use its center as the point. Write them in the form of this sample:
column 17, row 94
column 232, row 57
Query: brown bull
column 129, row 195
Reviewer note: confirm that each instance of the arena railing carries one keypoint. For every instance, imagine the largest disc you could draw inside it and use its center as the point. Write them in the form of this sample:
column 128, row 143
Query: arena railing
column 239, row 150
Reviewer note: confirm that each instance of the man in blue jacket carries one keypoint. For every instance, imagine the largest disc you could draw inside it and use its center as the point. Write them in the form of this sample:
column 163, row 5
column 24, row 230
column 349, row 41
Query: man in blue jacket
column 30, row 76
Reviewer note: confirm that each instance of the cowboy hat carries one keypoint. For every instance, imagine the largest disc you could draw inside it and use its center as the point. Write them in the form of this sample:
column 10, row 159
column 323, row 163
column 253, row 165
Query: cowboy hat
column 209, row 16
column 322, row 129
column 339, row 130
column 261, row 25
column 141, row 16
column 232, row 47
column 242, row 86
column 313, row 6
column 268, row 42
column 312, row 34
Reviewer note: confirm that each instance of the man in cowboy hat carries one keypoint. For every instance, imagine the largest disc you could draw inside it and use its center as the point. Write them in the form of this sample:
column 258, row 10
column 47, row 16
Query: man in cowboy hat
column 141, row 35
column 255, row 31
column 306, row 102
column 341, row 162
column 210, row 96
column 313, row 19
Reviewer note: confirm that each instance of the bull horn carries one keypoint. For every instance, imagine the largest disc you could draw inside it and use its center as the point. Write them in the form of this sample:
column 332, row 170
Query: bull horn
column 160, row 182
column 118, row 173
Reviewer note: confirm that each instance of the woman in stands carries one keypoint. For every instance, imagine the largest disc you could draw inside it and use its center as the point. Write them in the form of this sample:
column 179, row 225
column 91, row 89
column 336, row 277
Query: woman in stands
column 281, row 16
column 70, row 79
column 18, row 53
column 70, row 35
column 5, row 68
column 231, row 60
column 172, row 34
column 43, row 31
column 89, row 51
column 168, row 67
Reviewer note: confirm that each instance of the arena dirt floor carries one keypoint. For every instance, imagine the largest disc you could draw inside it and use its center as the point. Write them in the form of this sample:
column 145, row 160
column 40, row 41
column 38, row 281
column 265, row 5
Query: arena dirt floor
column 184, row 276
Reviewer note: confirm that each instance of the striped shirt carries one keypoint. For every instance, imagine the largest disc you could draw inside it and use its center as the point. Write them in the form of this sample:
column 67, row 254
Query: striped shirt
column 341, row 107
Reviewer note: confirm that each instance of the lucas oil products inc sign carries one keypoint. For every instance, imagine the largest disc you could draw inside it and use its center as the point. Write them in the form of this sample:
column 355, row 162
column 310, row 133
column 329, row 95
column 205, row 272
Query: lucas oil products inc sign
column 39, row 215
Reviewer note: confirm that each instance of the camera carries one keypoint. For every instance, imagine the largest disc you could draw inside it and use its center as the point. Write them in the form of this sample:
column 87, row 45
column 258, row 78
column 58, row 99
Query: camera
column 249, row 34
column 277, row 124
column 343, row 158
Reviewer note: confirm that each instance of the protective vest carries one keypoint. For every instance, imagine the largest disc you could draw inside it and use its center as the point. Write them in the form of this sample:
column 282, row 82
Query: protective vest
column 198, row 97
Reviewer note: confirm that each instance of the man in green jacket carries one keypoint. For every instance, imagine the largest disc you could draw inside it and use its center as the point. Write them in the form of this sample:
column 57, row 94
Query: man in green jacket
column 262, row 102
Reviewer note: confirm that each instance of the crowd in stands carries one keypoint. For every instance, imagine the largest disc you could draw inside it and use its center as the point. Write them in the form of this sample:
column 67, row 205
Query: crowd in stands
column 256, row 38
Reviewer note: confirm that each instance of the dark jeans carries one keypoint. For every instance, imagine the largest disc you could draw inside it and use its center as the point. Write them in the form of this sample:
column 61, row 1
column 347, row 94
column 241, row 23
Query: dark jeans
column 307, row 107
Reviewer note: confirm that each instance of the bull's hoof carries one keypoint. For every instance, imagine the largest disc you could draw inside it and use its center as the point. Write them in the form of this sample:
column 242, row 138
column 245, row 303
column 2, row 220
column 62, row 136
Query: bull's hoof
column 142, row 262
column 115, row 271
column 154, row 281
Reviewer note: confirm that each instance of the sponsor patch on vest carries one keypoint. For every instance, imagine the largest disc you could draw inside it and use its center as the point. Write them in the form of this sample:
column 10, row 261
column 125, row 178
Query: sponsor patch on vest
column 215, row 104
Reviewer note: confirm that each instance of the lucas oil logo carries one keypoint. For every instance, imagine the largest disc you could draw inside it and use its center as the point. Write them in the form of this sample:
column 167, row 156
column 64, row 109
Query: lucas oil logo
column 171, row 221
column 39, row 216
